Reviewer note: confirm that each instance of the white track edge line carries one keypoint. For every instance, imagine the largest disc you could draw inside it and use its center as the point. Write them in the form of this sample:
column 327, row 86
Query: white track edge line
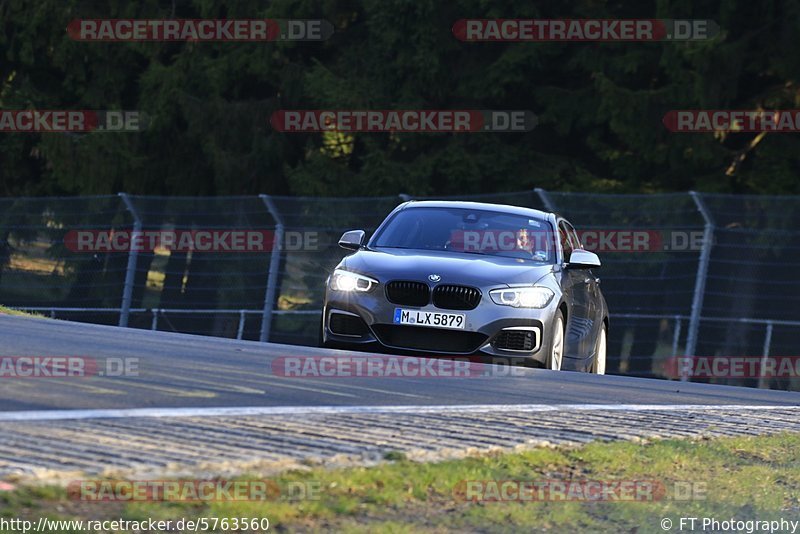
column 56, row 415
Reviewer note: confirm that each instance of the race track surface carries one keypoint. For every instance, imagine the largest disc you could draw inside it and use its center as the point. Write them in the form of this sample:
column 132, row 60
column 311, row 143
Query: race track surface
column 178, row 370
column 202, row 406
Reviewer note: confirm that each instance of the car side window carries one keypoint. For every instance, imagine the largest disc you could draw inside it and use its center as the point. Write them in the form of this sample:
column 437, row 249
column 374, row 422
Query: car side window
column 564, row 238
column 576, row 242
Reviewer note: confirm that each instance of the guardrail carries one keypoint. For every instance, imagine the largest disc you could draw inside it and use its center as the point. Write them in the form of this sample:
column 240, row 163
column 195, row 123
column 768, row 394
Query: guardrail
column 678, row 320
column 158, row 312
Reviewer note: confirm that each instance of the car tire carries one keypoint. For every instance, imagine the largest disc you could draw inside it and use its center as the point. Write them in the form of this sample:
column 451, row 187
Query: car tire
column 556, row 356
column 599, row 364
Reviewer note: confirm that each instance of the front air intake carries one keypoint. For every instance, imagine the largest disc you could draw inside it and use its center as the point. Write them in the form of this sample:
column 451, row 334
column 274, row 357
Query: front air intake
column 517, row 339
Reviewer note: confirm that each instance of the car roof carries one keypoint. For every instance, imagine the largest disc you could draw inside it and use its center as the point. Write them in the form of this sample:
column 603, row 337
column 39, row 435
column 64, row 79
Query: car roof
column 515, row 210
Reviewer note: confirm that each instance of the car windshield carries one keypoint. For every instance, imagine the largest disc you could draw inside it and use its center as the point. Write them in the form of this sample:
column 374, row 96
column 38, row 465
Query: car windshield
column 469, row 231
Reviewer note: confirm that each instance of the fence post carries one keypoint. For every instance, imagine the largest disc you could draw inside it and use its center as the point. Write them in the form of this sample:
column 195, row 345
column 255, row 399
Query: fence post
column 702, row 272
column 130, row 270
column 545, row 198
column 240, row 331
column 274, row 265
column 763, row 382
column 676, row 336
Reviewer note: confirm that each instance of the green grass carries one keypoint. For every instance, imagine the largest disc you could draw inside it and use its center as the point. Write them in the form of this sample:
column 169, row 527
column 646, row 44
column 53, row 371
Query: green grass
column 744, row 478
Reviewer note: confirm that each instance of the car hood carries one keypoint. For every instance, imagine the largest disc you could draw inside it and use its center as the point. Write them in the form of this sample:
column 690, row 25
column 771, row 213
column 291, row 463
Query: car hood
column 453, row 267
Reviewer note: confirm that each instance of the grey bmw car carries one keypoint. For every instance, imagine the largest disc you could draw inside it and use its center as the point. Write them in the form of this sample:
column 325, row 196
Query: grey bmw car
column 466, row 278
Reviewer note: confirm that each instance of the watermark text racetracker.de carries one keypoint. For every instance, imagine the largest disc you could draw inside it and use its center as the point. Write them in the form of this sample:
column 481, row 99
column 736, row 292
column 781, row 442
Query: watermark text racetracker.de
column 734, row 121
column 204, row 30
column 221, row 240
column 385, row 366
column 193, row 490
column 595, row 240
column 577, row 490
column 55, row 366
column 405, row 121
column 540, row 30
column 71, row 121
column 682, row 367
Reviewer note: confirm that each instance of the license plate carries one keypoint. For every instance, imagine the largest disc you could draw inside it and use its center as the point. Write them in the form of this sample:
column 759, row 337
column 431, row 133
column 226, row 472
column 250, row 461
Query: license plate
column 432, row 319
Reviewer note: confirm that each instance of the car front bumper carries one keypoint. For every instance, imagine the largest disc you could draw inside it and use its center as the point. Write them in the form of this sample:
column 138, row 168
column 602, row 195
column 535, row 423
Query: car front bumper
column 490, row 329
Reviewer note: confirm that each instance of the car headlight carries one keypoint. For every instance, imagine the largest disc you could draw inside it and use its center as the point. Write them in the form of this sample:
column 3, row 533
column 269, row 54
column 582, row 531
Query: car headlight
column 347, row 281
column 522, row 297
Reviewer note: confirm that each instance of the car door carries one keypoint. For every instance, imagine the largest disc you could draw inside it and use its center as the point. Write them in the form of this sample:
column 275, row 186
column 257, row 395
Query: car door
column 580, row 341
column 594, row 306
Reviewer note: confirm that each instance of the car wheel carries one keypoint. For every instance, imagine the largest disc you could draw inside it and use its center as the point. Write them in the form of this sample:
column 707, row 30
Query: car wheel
column 599, row 365
column 556, row 355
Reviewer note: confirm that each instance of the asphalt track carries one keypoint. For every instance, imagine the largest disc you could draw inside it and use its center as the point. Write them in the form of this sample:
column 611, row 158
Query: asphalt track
column 201, row 406
column 185, row 371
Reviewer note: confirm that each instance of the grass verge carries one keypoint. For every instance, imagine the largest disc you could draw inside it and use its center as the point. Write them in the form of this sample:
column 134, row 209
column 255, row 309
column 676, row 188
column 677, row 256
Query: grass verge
column 10, row 311
column 742, row 478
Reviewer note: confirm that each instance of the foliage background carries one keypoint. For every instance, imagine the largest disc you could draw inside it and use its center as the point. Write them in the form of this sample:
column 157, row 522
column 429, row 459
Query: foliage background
column 599, row 104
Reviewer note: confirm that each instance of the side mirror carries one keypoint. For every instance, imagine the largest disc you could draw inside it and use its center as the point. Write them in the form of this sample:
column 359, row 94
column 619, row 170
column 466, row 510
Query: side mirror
column 583, row 259
column 352, row 240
